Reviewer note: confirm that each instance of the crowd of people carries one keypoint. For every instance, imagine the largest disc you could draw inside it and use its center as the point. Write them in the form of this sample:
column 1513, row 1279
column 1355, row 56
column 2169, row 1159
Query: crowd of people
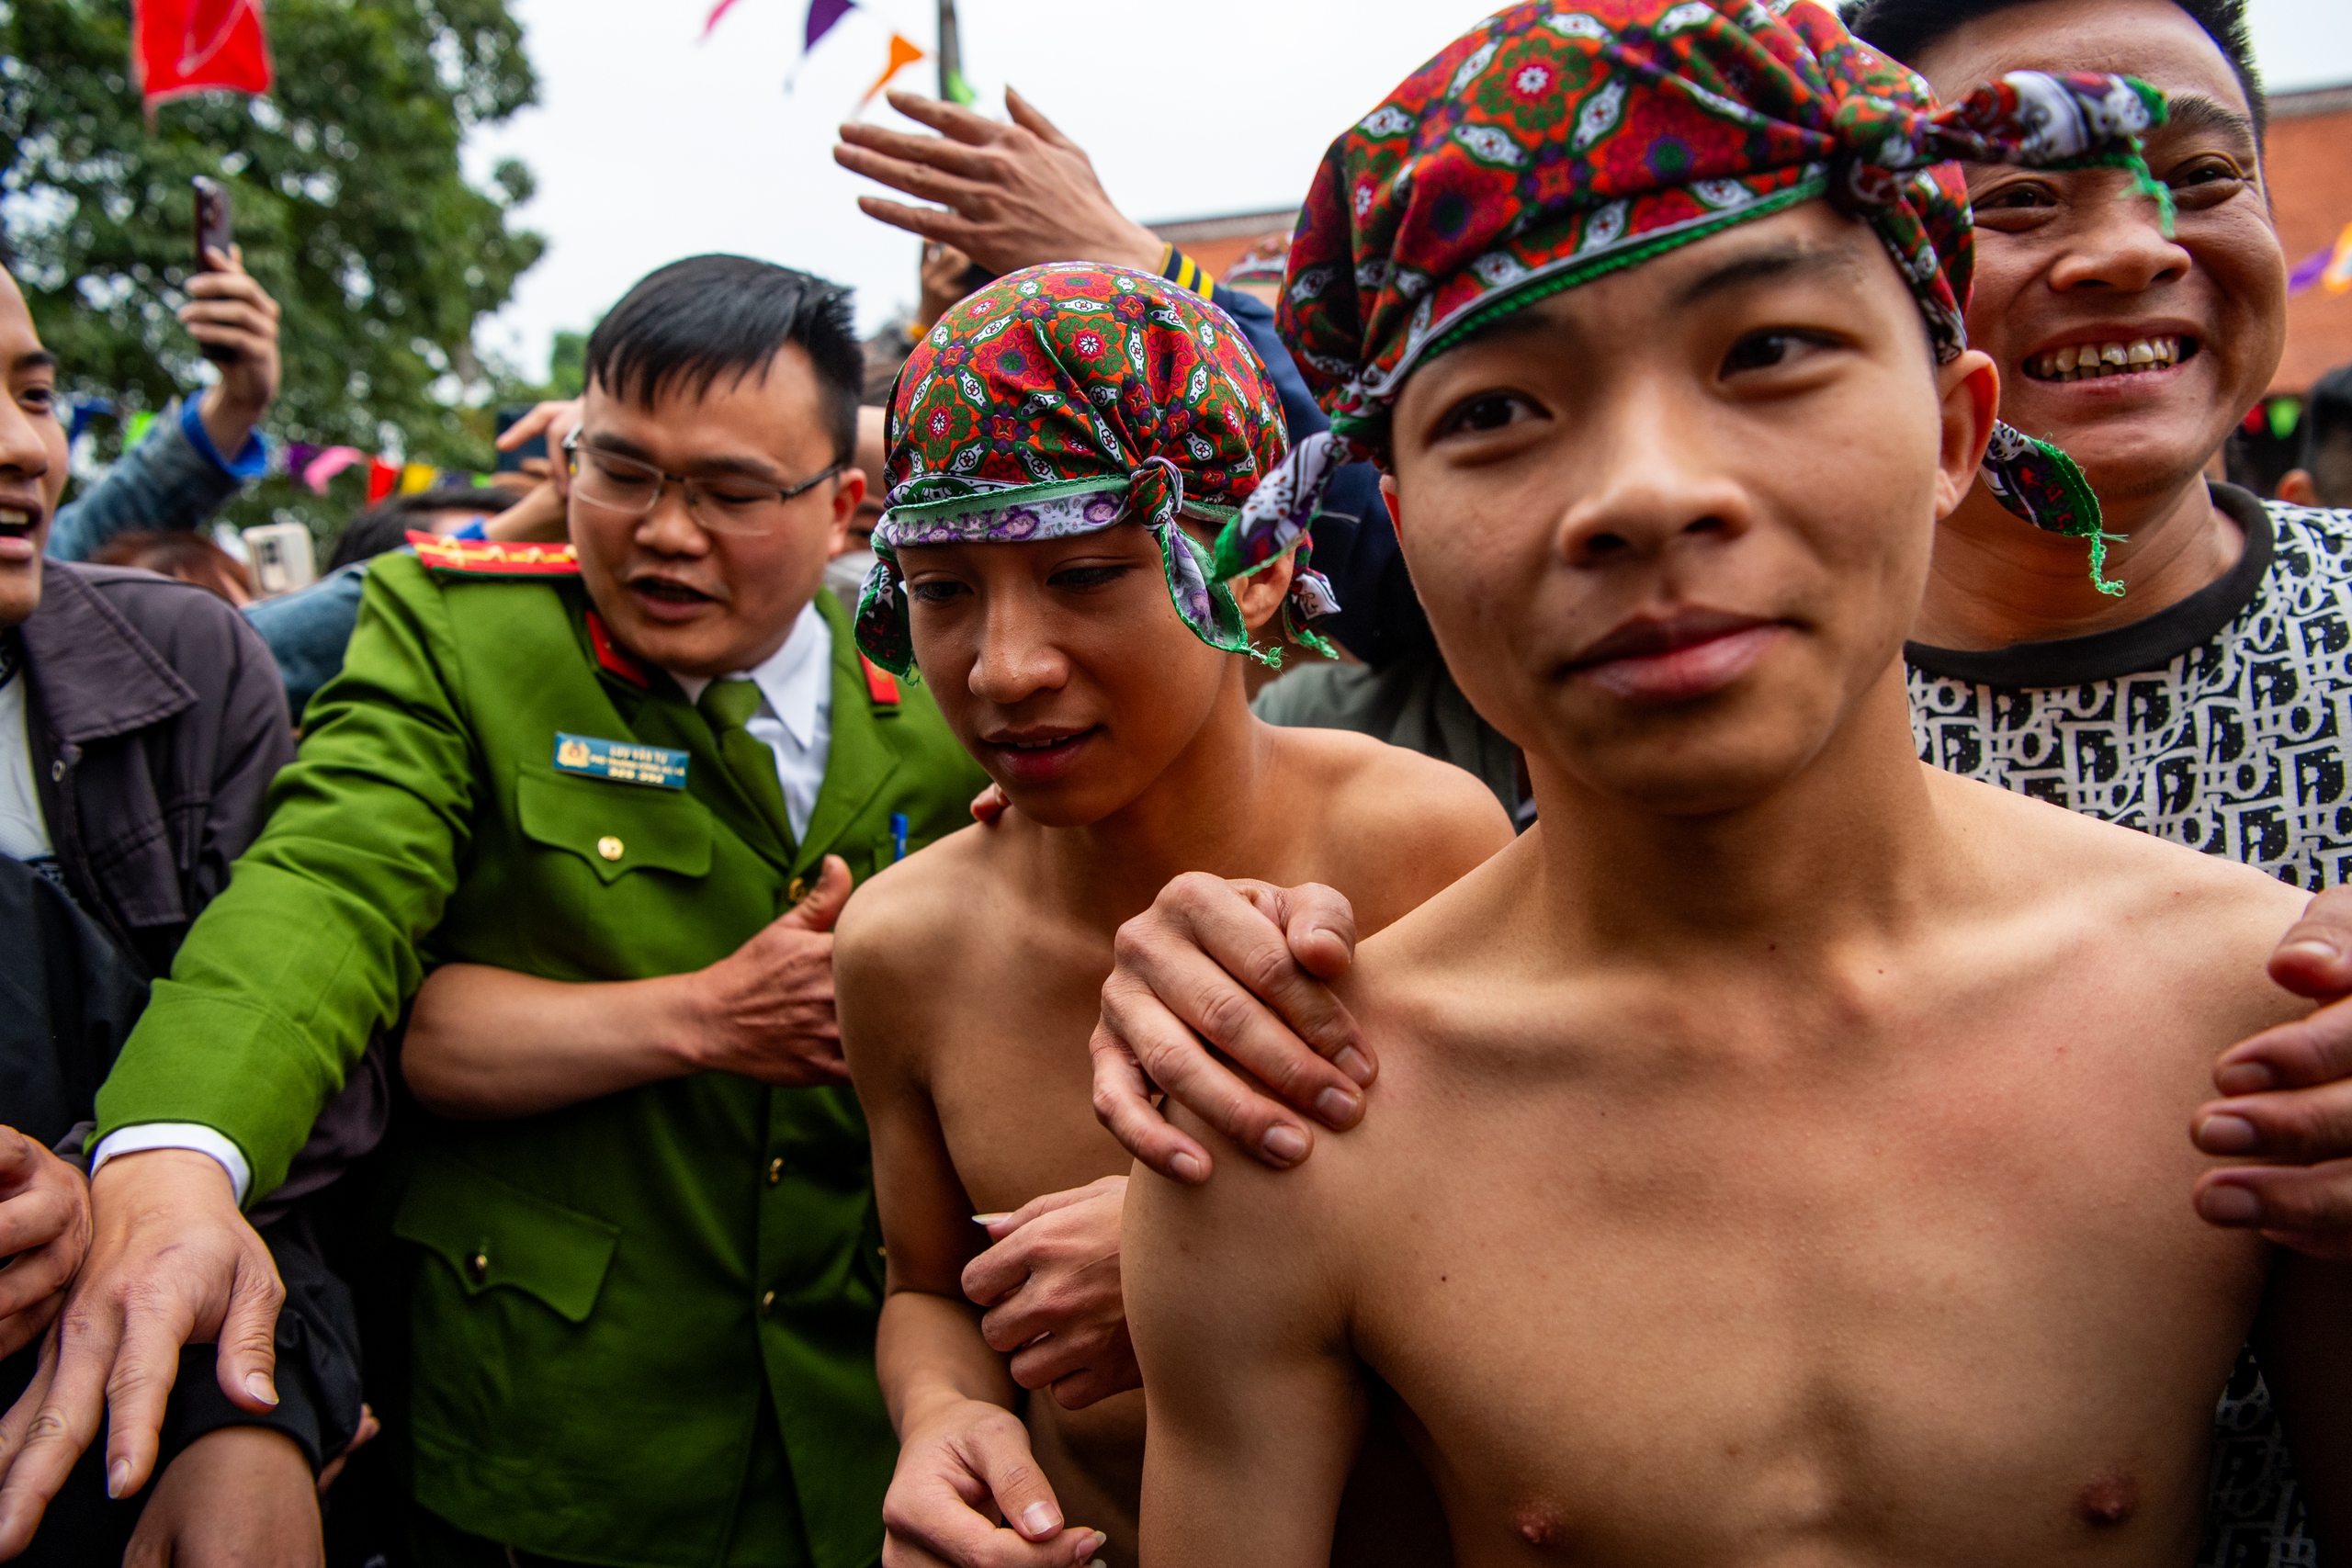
column 1654, row 874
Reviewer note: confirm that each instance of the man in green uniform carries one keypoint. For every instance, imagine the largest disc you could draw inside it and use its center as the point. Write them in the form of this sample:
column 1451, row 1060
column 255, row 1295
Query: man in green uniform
column 591, row 782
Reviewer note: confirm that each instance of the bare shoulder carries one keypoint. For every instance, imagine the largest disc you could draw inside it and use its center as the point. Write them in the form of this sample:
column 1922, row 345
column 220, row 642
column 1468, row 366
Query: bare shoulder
column 2166, row 914
column 1404, row 825
column 905, row 931
column 1249, row 1252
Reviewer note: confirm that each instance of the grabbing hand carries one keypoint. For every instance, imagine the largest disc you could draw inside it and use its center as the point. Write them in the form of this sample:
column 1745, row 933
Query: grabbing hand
column 240, row 1497
column 2289, row 1101
column 962, row 1466
column 1206, row 961
column 766, row 1009
column 1051, row 1288
column 227, row 311
column 172, row 1262
column 1011, row 195
column 44, row 1231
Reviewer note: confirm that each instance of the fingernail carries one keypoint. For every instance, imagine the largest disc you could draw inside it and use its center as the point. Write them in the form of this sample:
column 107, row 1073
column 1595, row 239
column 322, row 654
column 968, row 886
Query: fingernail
column 1089, row 1547
column 119, row 1479
column 258, row 1385
column 1285, row 1145
column 1039, row 1518
column 1353, row 1063
column 1188, row 1167
column 2245, row 1077
column 2226, row 1135
column 1337, row 1106
column 2312, row 948
column 2229, row 1205
column 990, row 1219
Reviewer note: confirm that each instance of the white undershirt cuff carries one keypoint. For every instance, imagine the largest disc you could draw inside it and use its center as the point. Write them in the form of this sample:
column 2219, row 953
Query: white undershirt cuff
column 188, row 1135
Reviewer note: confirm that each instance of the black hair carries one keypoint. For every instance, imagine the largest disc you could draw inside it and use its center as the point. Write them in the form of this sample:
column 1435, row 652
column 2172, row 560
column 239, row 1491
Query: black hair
column 1909, row 29
column 698, row 320
column 385, row 525
column 2327, row 437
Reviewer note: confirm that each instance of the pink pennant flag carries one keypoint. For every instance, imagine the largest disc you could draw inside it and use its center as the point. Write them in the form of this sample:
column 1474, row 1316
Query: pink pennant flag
column 326, row 465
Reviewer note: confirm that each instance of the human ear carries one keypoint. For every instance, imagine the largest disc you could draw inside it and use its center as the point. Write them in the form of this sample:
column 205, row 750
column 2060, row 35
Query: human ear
column 1261, row 594
column 1970, row 389
column 848, row 491
column 1388, row 494
column 2297, row 488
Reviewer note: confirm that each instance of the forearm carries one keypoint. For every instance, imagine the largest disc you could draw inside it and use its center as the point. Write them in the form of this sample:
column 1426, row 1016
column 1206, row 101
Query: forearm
column 929, row 1353
column 490, row 1044
column 165, row 482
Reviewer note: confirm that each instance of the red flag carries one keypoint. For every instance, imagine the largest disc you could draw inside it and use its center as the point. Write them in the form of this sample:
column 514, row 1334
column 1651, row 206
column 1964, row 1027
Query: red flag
column 178, row 47
column 382, row 480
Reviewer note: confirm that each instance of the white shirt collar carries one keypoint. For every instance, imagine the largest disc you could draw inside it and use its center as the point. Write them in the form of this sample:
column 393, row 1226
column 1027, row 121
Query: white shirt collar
column 796, row 680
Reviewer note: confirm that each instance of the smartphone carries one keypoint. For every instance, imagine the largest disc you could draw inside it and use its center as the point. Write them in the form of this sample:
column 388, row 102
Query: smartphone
column 537, row 446
column 212, row 229
column 280, row 556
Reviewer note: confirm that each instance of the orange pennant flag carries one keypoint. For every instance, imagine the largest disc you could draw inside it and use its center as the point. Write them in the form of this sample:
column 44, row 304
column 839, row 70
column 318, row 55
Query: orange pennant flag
column 904, row 52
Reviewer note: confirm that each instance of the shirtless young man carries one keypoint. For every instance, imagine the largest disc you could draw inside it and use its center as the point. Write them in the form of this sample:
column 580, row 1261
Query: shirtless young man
column 1053, row 437
column 1777, row 1152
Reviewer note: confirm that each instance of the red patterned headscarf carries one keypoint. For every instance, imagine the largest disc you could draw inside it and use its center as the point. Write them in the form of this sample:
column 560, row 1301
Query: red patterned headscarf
column 1563, row 139
column 1065, row 398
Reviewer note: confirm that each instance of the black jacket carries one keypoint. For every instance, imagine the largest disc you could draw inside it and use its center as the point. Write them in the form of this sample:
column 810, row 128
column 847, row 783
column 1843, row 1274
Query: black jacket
column 156, row 721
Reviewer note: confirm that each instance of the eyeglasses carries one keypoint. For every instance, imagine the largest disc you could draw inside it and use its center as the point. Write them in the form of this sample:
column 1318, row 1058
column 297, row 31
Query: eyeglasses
column 723, row 505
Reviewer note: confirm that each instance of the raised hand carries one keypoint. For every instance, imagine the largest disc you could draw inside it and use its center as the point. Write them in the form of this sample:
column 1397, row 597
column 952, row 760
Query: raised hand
column 1010, row 195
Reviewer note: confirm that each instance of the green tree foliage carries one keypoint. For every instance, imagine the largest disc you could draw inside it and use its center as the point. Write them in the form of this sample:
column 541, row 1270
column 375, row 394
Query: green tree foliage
column 350, row 205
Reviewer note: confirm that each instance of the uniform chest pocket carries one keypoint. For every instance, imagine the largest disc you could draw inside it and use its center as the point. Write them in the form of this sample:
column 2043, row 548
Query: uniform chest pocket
column 615, row 828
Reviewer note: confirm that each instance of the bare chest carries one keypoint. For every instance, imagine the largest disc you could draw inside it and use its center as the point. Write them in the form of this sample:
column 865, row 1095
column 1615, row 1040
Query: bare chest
column 1010, row 1077
column 1941, row 1300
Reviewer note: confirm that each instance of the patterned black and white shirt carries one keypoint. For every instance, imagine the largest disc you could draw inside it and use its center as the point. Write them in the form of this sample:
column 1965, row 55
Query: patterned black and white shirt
column 2219, row 723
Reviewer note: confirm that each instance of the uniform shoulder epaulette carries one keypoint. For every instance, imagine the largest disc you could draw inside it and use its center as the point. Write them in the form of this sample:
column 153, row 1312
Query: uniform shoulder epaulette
column 485, row 558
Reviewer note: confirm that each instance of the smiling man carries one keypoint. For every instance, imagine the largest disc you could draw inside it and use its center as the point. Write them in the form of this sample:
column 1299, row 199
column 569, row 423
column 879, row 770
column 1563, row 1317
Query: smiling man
column 610, row 795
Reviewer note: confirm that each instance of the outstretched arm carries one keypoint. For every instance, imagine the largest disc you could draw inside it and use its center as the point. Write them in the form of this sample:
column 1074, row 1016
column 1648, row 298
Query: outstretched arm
column 1255, row 1404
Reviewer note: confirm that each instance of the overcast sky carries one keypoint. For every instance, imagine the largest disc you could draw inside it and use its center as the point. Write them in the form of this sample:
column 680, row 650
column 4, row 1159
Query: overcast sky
column 649, row 145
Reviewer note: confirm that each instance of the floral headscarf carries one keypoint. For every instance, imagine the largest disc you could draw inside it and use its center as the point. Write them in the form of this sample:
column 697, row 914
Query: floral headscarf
column 1563, row 139
column 1065, row 399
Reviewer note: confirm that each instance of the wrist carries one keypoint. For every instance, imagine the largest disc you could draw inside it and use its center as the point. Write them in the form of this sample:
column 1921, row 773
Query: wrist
column 188, row 1171
column 228, row 418
column 687, row 1019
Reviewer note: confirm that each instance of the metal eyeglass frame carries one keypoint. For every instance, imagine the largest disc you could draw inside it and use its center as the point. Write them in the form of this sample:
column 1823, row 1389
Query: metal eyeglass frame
column 687, row 485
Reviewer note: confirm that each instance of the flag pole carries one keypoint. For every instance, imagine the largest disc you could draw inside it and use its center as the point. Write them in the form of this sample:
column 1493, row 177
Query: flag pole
column 953, row 88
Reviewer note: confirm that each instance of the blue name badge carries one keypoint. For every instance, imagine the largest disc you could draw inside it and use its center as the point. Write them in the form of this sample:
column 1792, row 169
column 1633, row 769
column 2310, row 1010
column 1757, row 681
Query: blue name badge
column 622, row 762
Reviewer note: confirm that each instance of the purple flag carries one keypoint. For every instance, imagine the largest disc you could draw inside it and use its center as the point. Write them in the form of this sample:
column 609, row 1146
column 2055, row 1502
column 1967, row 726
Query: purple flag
column 822, row 15
column 2308, row 271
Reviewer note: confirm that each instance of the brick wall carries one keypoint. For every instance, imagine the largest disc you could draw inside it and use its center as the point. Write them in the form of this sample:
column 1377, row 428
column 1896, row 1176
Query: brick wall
column 2309, row 162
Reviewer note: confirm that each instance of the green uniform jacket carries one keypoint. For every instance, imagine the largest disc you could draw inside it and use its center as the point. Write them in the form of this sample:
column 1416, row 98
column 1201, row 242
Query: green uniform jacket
column 610, row 1293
